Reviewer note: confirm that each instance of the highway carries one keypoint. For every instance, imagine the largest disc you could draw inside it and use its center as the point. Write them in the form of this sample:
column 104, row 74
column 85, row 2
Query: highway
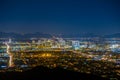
column 10, row 55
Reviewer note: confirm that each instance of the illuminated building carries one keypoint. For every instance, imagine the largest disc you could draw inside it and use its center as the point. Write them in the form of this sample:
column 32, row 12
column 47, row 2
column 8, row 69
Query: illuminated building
column 76, row 45
column 39, row 42
column 10, row 40
column 62, row 42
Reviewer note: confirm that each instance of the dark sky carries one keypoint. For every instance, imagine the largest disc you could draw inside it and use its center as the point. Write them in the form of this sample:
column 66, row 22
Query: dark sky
column 60, row 16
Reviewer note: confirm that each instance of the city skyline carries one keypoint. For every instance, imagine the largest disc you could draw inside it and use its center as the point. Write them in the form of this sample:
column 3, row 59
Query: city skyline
column 61, row 16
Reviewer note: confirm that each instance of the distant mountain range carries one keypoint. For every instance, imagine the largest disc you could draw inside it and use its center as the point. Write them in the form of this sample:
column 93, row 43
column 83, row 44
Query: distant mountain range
column 44, row 35
column 116, row 35
column 29, row 35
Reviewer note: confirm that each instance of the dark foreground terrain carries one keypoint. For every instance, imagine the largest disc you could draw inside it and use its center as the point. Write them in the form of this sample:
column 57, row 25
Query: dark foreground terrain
column 43, row 73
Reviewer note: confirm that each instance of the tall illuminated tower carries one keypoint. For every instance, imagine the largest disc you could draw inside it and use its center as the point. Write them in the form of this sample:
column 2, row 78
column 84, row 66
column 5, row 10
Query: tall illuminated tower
column 10, row 40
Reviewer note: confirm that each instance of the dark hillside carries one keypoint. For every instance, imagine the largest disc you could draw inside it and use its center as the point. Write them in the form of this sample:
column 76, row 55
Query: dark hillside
column 43, row 73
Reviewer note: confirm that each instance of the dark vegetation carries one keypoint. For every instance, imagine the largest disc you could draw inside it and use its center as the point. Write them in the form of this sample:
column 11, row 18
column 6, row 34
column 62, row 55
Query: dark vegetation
column 44, row 73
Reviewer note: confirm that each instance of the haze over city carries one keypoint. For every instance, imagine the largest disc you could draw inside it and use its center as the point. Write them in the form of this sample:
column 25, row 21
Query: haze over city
column 60, row 16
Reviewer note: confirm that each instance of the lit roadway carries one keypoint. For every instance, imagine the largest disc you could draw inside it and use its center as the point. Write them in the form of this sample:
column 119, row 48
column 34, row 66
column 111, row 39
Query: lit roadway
column 10, row 55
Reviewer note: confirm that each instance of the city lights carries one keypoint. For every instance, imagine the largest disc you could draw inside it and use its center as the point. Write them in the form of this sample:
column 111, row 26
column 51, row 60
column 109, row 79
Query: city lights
column 77, row 55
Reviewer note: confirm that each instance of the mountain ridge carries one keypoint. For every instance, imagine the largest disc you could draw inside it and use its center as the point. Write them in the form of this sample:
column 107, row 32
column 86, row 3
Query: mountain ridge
column 45, row 35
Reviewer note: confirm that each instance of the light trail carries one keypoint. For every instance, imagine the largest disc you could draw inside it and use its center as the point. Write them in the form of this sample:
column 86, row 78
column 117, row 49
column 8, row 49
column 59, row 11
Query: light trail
column 10, row 55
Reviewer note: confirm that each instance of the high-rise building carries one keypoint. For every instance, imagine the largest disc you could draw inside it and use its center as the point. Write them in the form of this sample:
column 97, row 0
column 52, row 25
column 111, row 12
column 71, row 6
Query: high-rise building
column 10, row 40
column 76, row 45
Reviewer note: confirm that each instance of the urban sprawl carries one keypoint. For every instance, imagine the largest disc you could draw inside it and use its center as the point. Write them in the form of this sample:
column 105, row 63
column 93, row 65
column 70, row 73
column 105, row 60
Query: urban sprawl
column 99, row 56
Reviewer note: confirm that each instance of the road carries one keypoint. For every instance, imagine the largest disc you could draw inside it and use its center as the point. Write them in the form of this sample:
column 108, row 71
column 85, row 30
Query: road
column 10, row 55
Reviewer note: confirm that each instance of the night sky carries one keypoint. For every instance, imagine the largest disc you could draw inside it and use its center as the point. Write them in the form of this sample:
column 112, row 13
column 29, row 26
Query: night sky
column 60, row 16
